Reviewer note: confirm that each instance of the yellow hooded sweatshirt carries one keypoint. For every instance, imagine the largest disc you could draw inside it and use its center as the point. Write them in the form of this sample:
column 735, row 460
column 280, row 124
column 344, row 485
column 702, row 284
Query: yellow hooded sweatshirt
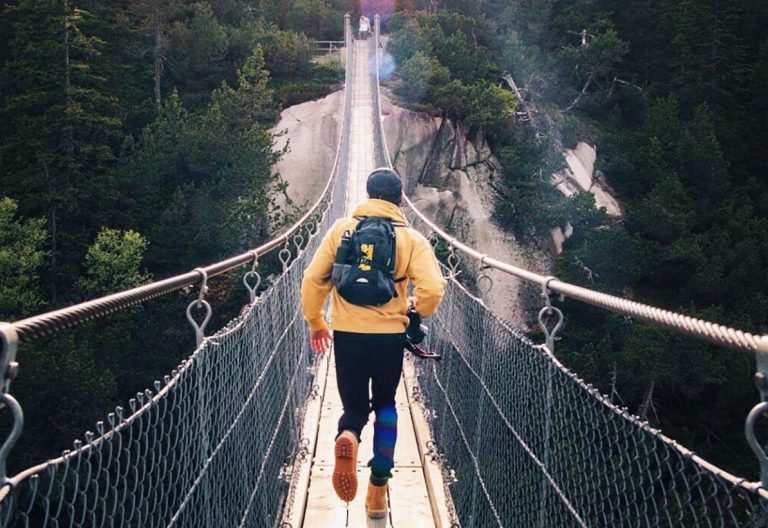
column 415, row 261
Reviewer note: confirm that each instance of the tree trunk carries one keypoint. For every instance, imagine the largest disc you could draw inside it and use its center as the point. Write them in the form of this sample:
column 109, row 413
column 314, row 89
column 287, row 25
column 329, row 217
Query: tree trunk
column 158, row 64
column 581, row 94
column 614, row 392
column 68, row 139
column 647, row 401
column 511, row 82
column 67, row 79
column 54, row 234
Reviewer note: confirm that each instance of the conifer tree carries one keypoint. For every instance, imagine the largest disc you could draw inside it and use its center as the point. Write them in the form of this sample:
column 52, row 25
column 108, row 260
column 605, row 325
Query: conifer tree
column 57, row 147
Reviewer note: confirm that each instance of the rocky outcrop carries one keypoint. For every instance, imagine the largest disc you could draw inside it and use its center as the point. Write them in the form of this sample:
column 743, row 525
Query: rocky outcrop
column 450, row 175
column 311, row 132
column 581, row 176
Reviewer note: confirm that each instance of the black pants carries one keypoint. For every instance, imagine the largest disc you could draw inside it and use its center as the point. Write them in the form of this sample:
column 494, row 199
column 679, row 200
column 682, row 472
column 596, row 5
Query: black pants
column 378, row 359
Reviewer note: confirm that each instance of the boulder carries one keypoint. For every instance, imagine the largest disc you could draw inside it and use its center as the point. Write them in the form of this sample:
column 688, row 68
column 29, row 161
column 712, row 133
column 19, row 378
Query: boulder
column 311, row 131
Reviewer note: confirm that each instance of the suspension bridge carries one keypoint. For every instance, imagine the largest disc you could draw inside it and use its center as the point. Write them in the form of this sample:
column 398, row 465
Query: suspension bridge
column 498, row 433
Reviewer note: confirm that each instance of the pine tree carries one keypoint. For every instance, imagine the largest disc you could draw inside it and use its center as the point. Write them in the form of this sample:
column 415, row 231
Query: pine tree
column 153, row 20
column 61, row 126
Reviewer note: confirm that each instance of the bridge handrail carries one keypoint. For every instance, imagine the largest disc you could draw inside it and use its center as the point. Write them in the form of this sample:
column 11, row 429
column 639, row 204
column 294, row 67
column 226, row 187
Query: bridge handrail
column 382, row 151
column 49, row 323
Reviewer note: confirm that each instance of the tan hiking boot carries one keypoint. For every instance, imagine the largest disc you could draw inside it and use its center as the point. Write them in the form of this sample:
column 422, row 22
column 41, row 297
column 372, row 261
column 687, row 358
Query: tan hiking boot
column 345, row 470
column 376, row 501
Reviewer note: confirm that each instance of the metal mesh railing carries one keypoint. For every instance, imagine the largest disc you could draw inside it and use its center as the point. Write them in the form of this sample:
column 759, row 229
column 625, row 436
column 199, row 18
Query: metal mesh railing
column 216, row 442
column 381, row 152
column 524, row 442
column 208, row 448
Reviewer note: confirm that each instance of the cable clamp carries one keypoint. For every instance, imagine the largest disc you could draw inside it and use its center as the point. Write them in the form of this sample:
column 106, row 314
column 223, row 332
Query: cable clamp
column 200, row 328
column 253, row 274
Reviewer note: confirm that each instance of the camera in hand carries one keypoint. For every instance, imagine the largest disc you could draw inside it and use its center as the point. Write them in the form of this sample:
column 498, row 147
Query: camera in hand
column 415, row 334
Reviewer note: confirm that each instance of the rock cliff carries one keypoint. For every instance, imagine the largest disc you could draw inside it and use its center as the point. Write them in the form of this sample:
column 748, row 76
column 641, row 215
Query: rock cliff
column 450, row 177
column 311, row 131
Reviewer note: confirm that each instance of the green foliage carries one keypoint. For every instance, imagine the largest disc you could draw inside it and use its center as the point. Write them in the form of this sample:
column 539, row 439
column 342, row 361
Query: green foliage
column 204, row 177
column 197, row 52
column 318, row 19
column 412, row 38
column 113, row 263
column 673, row 95
column 421, row 74
column 444, row 61
column 478, row 104
column 151, row 117
column 21, row 258
column 316, row 83
column 285, row 52
column 60, row 127
column 463, row 57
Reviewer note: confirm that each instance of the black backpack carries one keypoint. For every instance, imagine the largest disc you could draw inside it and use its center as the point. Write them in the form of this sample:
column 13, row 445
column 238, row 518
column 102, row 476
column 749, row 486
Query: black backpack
column 364, row 269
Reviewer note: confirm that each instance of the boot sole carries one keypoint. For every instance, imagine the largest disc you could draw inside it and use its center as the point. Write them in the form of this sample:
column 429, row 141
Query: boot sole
column 345, row 470
column 376, row 514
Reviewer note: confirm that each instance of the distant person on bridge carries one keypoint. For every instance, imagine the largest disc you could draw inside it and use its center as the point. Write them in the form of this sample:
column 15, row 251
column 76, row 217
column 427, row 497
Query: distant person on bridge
column 364, row 27
column 368, row 326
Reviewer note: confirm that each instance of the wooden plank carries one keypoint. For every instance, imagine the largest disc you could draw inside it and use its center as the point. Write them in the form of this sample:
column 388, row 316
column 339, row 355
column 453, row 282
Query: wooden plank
column 408, row 496
column 406, row 450
column 310, row 431
column 409, row 500
column 440, row 501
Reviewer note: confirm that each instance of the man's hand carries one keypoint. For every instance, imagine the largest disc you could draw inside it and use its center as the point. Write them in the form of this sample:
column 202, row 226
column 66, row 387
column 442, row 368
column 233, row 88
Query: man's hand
column 411, row 304
column 320, row 340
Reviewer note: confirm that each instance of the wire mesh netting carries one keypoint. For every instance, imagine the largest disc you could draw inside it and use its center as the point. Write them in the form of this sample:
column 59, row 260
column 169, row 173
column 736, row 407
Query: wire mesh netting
column 208, row 448
column 524, row 442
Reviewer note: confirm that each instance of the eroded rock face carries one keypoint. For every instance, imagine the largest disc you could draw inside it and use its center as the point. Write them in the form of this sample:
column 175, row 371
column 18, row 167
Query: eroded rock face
column 580, row 176
column 450, row 176
column 311, row 131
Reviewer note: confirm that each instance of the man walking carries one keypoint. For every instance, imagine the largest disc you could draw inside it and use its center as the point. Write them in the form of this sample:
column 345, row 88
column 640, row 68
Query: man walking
column 369, row 317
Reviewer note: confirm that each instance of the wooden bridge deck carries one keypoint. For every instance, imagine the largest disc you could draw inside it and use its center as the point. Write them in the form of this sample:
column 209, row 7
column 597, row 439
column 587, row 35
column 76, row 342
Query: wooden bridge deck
column 416, row 496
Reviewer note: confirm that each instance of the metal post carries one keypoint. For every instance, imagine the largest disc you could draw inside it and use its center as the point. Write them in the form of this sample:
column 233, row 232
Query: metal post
column 9, row 368
column 761, row 381
column 479, row 428
column 9, row 343
column 347, row 32
column 376, row 23
column 543, row 519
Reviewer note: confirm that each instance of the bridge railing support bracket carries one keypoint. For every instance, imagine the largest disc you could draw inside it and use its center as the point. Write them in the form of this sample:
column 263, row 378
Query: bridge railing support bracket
column 761, row 382
column 9, row 369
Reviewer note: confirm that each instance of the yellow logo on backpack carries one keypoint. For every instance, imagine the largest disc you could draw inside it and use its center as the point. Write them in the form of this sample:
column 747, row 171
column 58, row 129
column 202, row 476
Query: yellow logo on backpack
column 366, row 257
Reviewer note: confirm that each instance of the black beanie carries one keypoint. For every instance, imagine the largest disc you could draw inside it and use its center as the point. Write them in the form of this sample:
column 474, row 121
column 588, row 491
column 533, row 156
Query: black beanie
column 384, row 184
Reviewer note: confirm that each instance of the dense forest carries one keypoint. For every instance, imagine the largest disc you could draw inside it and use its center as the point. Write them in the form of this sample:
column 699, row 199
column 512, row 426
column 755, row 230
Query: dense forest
column 135, row 144
column 673, row 95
